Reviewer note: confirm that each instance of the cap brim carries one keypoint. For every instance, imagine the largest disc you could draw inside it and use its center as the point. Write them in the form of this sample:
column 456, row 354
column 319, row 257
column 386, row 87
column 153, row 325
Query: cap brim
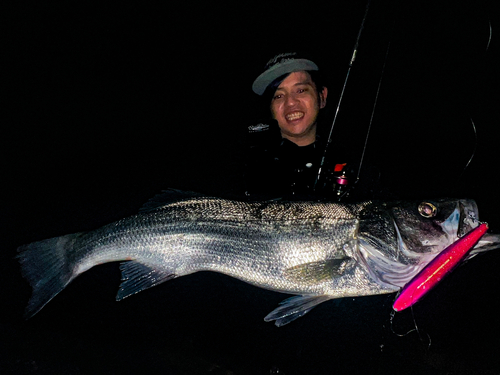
column 260, row 84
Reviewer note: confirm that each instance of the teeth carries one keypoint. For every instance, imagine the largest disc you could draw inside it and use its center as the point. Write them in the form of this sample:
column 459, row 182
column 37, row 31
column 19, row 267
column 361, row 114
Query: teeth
column 294, row 116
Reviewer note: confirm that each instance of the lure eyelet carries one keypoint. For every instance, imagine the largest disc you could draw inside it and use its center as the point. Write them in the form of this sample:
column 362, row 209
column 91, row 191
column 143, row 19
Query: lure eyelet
column 427, row 209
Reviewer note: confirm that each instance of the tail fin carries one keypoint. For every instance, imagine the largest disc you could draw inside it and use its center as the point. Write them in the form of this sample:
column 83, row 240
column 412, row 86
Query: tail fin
column 44, row 264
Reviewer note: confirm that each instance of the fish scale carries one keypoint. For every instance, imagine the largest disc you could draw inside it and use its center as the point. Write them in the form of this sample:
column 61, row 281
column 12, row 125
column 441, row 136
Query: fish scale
column 315, row 250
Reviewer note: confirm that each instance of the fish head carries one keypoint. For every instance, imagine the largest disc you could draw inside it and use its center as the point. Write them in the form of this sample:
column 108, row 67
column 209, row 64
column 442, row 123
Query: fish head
column 398, row 239
column 430, row 226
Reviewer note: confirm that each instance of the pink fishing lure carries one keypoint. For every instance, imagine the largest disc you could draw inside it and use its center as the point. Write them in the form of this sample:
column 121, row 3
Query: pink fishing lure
column 440, row 266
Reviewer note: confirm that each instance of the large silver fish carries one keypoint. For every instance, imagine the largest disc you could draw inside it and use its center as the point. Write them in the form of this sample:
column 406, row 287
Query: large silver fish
column 318, row 251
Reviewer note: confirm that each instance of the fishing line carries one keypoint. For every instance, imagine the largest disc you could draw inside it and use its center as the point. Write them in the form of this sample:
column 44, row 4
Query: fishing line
column 491, row 34
column 476, row 142
column 416, row 329
column 476, row 138
column 373, row 111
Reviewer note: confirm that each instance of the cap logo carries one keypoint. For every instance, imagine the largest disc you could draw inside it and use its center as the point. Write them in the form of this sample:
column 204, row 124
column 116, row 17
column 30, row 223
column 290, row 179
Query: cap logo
column 282, row 57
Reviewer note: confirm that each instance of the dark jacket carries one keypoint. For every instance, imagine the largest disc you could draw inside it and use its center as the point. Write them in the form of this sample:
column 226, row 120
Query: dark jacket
column 278, row 168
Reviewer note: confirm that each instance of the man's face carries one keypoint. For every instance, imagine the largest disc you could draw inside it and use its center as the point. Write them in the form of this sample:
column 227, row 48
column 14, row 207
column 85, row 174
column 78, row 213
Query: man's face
column 296, row 105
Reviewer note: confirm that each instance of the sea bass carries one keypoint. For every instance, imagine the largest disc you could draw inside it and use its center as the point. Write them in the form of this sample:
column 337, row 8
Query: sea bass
column 317, row 251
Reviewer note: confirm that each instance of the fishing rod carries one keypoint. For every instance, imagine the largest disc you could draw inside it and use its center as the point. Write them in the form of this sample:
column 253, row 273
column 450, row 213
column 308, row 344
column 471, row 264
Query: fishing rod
column 342, row 180
column 351, row 62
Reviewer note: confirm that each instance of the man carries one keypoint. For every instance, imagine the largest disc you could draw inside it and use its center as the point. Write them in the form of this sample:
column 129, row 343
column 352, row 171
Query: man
column 295, row 97
column 285, row 153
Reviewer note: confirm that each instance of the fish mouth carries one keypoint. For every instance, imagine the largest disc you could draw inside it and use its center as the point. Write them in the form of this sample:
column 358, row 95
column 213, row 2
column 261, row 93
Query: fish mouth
column 461, row 221
column 469, row 217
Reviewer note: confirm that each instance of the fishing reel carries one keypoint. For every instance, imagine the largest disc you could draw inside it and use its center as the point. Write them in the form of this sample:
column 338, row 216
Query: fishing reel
column 341, row 186
column 336, row 185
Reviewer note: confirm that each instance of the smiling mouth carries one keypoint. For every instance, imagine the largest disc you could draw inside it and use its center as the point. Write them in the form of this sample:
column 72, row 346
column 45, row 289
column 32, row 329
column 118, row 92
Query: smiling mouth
column 294, row 116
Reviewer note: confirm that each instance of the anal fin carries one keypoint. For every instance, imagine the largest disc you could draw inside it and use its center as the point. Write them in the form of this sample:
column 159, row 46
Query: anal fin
column 137, row 277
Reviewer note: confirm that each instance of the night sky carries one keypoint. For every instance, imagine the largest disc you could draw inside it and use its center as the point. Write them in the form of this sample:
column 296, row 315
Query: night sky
column 104, row 106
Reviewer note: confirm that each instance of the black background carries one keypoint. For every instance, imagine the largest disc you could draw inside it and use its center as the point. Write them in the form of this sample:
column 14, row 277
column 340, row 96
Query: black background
column 106, row 105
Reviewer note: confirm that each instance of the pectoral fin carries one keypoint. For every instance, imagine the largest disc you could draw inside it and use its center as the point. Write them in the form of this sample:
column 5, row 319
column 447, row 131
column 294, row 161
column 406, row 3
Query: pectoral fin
column 308, row 273
column 293, row 308
column 314, row 272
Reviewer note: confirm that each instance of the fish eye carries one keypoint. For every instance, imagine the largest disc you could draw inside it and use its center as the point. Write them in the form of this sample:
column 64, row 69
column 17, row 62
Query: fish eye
column 427, row 209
